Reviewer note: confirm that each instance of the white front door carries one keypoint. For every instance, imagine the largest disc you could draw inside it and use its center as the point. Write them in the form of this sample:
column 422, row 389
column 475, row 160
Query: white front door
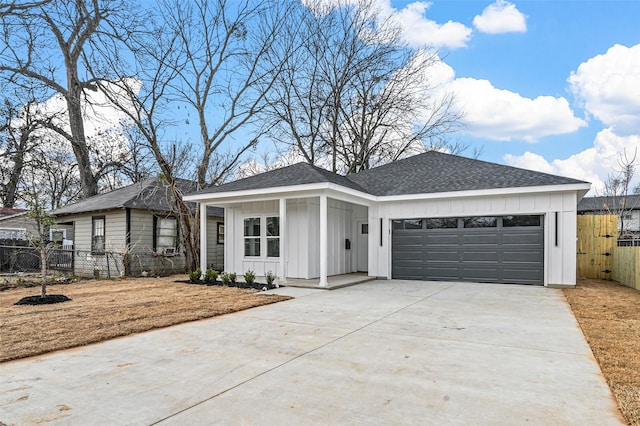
column 363, row 246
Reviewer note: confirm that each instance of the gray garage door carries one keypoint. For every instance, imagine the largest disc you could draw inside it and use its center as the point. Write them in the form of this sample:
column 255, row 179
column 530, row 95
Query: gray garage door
column 503, row 249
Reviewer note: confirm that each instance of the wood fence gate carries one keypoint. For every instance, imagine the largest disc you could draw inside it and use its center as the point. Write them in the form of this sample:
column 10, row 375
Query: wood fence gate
column 597, row 238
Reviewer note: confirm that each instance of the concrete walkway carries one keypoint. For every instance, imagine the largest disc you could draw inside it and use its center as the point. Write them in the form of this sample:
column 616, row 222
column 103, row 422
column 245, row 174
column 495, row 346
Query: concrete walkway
column 383, row 352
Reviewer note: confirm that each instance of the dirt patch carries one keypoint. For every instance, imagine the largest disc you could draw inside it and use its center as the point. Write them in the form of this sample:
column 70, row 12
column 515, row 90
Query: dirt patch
column 609, row 316
column 103, row 309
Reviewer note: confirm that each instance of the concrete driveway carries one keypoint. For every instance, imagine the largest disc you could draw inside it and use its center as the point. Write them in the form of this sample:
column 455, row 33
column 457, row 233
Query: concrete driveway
column 384, row 352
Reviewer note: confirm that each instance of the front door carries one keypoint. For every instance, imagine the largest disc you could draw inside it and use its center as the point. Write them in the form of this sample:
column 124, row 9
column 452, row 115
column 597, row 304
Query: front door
column 363, row 246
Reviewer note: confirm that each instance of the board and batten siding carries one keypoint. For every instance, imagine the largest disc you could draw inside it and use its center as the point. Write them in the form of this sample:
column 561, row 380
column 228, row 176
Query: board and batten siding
column 560, row 252
column 302, row 247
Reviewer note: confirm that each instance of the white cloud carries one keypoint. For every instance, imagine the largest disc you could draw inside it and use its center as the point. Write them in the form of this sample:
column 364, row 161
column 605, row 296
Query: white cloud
column 419, row 31
column 504, row 115
column 500, row 17
column 592, row 165
column 609, row 87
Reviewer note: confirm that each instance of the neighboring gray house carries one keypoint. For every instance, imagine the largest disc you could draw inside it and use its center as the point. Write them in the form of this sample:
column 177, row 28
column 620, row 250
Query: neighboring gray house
column 432, row 216
column 133, row 230
column 17, row 227
column 629, row 213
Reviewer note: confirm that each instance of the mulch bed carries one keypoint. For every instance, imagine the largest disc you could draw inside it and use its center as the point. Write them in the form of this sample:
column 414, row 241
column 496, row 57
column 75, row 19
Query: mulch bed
column 237, row 284
column 46, row 300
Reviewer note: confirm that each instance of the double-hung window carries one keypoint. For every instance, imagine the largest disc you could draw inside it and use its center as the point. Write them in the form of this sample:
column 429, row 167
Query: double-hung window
column 252, row 236
column 98, row 234
column 166, row 235
column 262, row 232
column 273, row 236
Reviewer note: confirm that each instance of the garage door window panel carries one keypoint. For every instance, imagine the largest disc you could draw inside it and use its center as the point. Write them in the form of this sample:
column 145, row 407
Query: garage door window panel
column 442, row 223
column 480, row 222
column 516, row 221
column 407, row 224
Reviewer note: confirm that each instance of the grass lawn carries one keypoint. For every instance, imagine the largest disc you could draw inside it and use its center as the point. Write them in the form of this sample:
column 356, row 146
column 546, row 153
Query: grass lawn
column 609, row 315
column 103, row 309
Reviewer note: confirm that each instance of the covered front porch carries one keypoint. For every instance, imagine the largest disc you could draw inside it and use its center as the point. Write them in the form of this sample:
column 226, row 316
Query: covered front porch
column 333, row 281
column 310, row 238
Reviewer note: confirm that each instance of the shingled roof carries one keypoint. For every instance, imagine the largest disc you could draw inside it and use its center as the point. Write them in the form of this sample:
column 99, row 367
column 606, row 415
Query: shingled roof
column 430, row 172
column 433, row 172
column 150, row 194
column 600, row 204
column 297, row 174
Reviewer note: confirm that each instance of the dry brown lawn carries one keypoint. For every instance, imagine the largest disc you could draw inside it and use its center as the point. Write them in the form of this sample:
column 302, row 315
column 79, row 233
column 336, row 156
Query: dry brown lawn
column 609, row 315
column 104, row 309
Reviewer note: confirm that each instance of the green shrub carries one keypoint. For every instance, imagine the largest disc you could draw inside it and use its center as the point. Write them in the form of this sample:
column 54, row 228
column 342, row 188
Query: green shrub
column 270, row 278
column 211, row 275
column 249, row 277
column 195, row 275
column 226, row 279
column 232, row 277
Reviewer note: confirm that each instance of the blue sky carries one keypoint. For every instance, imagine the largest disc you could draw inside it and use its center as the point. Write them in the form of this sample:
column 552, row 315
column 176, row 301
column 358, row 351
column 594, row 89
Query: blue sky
column 546, row 85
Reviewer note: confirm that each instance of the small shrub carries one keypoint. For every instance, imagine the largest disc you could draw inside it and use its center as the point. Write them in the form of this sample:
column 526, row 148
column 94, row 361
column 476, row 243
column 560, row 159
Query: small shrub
column 233, row 277
column 270, row 278
column 210, row 276
column 249, row 277
column 225, row 277
column 195, row 275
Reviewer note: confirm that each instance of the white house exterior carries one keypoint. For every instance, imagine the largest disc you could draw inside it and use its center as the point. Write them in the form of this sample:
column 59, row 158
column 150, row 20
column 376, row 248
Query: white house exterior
column 433, row 216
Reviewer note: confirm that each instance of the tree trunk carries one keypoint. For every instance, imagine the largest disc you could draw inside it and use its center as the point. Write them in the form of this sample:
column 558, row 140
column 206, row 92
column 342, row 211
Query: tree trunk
column 43, row 270
column 88, row 180
column 16, row 173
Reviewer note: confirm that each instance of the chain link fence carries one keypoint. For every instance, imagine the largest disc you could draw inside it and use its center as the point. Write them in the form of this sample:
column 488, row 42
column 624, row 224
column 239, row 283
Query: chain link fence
column 83, row 263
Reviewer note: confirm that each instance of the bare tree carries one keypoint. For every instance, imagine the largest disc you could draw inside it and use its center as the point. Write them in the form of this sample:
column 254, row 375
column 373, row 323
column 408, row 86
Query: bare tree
column 617, row 190
column 208, row 58
column 52, row 43
column 353, row 92
column 43, row 221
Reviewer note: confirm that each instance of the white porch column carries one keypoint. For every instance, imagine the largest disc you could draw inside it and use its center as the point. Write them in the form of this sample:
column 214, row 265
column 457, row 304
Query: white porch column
column 323, row 241
column 283, row 240
column 203, row 237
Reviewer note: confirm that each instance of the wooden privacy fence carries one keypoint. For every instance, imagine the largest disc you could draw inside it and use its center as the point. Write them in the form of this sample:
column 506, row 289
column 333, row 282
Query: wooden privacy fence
column 626, row 266
column 597, row 238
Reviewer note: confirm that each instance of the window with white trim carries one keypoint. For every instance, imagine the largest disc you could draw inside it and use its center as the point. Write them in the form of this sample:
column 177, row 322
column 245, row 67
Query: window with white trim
column 252, row 236
column 13, row 233
column 259, row 232
column 273, row 236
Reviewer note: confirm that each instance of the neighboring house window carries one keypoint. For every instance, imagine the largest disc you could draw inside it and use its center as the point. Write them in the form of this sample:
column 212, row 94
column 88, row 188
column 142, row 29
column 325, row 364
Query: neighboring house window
column 13, row 233
column 252, row 236
column 97, row 234
column 220, row 233
column 166, row 234
column 273, row 236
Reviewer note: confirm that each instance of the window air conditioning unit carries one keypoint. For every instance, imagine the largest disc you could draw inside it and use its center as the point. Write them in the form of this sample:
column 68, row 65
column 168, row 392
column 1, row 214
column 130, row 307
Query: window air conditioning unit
column 169, row 251
column 57, row 235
